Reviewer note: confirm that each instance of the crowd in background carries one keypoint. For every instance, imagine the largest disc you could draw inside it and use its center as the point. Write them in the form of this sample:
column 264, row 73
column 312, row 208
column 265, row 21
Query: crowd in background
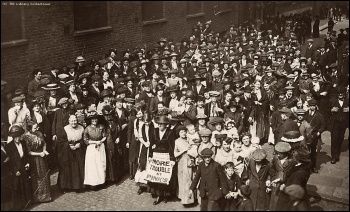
column 239, row 114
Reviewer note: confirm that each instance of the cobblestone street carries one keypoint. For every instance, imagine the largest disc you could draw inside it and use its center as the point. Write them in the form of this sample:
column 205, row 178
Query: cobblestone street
column 124, row 195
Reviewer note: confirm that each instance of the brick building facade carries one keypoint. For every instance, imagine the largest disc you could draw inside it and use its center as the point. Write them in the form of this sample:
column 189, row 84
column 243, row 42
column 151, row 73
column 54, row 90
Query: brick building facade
column 37, row 36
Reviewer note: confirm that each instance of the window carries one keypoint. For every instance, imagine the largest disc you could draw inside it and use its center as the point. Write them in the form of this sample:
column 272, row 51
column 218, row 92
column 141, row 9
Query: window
column 194, row 7
column 11, row 23
column 152, row 10
column 90, row 15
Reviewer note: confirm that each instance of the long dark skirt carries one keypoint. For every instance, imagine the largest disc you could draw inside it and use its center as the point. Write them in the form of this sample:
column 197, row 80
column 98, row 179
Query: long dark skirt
column 22, row 192
column 40, row 179
column 112, row 165
column 71, row 175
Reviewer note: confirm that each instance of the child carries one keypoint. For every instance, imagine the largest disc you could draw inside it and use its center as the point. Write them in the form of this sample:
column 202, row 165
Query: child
column 194, row 141
column 245, row 203
column 205, row 138
column 234, row 183
column 81, row 114
column 238, row 159
column 231, row 128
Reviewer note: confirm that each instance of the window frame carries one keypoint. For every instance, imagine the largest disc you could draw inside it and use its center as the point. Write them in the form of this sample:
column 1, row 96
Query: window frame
column 106, row 28
column 17, row 42
column 222, row 10
column 149, row 22
column 194, row 15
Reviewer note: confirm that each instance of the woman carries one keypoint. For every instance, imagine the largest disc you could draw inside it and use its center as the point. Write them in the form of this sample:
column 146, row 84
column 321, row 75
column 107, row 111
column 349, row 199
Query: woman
column 184, row 173
column 160, row 97
column 225, row 154
column 95, row 158
column 256, row 175
column 36, row 147
column 143, row 126
column 316, row 27
column 113, row 163
column 247, row 147
column 160, row 142
column 260, row 112
column 70, row 150
column 19, row 163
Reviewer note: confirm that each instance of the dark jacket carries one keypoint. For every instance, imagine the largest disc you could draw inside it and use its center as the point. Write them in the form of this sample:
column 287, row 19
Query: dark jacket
column 245, row 205
column 212, row 180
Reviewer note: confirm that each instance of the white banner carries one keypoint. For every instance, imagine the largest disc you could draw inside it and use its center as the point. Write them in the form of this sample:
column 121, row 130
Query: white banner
column 159, row 169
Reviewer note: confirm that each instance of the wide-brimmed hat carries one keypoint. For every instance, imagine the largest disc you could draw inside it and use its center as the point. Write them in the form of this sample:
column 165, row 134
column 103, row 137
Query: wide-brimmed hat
column 173, row 71
column 233, row 104
column 174, row 116
column 259, row 154
column 216, row 120
column 312, row 102
column 179, row 128
column 300, row 111
column 197, row 76
column 162, row 120
column 201, row 116
column 105, row 93
column 214, row 93
column 292, row 137
column 173, row 88
column 80, row 106
column 79, row 59
column 107, row 110
column 50, row 87
column 17, row 99
column 283, row 147
column 92, row 115
column 237, row 78
column 155, row 57
column 16, row 131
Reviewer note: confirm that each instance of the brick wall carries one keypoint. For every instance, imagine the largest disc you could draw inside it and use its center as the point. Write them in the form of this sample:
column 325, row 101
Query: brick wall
column 47, row 44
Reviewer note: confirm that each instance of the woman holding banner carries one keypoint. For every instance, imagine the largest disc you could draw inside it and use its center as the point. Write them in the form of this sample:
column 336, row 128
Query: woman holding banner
column 184, row 172
column 161, row 139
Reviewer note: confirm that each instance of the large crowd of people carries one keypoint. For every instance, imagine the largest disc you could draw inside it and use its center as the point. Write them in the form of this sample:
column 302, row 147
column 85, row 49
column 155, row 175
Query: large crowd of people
column 238, row 114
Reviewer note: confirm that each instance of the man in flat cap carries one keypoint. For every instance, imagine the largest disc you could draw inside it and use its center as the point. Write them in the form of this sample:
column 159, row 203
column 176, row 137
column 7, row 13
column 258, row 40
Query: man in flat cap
column 318, row 125
column 212, row 184
column 310, row 49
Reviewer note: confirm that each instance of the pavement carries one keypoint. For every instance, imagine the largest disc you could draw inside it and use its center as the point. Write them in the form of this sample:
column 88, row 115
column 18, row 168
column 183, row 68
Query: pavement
column 329, row 187
column 332, row 181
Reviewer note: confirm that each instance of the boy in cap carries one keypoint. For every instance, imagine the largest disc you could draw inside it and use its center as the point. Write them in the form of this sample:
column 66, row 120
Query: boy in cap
column 245, row 203
column 212, row 184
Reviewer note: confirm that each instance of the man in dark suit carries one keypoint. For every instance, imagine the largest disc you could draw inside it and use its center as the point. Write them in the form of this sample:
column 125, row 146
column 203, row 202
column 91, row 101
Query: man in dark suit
column 317, row 122
column 310, row 50
column 339, row 122
column 212, row 185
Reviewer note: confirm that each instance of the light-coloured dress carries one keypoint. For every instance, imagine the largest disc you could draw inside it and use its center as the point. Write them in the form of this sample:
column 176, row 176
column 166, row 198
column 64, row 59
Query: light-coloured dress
column 184, row 173
column 95, row 159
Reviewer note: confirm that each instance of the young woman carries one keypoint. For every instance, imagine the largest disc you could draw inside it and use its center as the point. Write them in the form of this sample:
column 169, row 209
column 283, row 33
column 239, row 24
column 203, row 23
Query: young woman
column 184, row 172
column 95, row 159
column 36, row 147
column 160, row 142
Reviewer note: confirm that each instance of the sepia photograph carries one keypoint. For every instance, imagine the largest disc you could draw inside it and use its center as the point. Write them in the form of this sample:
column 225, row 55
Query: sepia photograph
column 175, row 105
